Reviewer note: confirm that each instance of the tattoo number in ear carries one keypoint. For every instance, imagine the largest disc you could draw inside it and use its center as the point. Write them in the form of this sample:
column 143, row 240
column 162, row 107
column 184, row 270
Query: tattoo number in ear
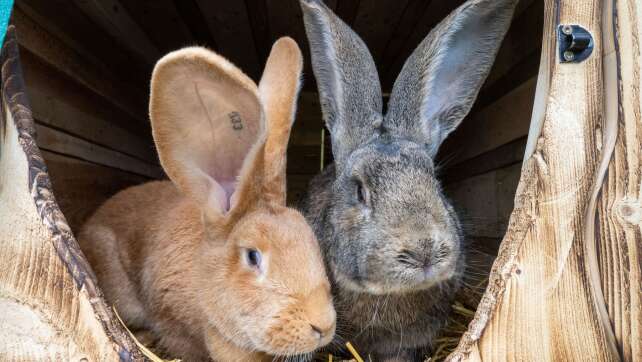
column 236, row 120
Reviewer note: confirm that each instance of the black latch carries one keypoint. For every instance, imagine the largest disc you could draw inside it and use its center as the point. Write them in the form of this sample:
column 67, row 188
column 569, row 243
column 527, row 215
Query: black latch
column 575, row 43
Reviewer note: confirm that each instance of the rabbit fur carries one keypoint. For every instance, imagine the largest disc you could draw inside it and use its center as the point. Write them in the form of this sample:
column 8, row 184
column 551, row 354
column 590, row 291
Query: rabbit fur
column 392, row 243
column 213, row 263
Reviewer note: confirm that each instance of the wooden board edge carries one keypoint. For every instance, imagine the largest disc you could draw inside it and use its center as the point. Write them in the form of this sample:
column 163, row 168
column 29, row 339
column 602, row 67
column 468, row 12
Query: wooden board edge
column 67, row 248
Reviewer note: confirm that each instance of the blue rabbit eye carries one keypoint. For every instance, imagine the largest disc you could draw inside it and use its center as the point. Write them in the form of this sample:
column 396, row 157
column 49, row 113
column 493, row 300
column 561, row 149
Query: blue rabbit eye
column 253, row 257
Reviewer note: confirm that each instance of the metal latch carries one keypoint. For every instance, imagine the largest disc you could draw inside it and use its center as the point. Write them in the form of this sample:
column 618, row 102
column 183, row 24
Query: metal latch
column 575, row 43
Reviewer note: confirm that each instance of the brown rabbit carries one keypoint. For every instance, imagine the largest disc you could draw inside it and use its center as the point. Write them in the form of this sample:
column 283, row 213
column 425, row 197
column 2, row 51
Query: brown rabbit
column 214, row 264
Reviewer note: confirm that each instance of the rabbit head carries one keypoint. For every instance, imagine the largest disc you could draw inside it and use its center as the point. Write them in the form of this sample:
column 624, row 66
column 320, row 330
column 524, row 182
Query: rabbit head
column 392, row 228
column 222, row 140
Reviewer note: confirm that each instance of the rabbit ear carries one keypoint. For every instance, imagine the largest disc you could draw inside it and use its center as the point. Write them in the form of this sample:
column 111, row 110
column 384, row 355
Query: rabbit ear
column 439, row 82
column 347, row 79
column 279, row 89
column 208, row 125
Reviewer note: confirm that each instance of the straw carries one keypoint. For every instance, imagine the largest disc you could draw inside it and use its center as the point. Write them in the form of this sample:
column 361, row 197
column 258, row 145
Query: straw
column 149, row 354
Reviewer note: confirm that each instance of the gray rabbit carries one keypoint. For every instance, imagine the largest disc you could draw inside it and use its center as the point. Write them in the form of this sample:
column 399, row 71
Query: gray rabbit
column 391, row 241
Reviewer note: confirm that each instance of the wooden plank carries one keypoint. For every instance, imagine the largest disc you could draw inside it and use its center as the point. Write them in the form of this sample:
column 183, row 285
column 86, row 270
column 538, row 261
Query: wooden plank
column 51, row 306
column 543, row 280
column 61, row 103
column 62, row 19
column 95, row 77
column 618, row 207
column 115, row 20
column 501, row 122
column 375, row 22
column 161, row 22
column 502, row 156
column 53, row 140
column 484, row 202
column 229, row 25
column 521, row 72
column 81, row 187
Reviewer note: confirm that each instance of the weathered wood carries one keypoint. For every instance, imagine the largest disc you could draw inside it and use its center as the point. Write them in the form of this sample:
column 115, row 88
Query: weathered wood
column 115, row 20
column 542, row 302
column 51, row 306
column 485, row 202
column 618, row 219
column 59, row 102
column 80, row 186
column 499, row 123
column 96, row 77
column 55, row 140
column 68, row 24
column 500, row 157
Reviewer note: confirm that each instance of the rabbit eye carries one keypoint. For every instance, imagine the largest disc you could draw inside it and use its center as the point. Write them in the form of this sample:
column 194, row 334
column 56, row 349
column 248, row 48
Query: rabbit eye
column 362, row 193
column 253, row 257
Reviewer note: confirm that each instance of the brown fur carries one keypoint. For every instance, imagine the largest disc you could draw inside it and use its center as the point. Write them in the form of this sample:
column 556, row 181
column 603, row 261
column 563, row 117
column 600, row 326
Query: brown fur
column 171, row 256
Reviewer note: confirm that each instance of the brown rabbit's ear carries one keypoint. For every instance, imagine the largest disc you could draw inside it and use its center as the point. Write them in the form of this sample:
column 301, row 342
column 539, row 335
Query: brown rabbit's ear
column 208, row 125
column 278, row 90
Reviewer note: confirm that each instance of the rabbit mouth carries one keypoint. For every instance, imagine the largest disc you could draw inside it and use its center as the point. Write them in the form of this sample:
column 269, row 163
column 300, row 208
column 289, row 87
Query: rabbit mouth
column 409, row 280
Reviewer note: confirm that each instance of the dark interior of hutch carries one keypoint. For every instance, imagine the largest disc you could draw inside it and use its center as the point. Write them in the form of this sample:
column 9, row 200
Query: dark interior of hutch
column 87, row 66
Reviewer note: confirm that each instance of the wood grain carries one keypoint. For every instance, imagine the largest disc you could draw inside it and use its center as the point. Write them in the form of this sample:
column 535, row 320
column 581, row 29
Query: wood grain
column 96, row 77
column 542, row 303
column 484, row 202
column 619, row 206
column 501, row 122
column 61, row 103
column 82, row 186
column 52, row 309
column 68, row 24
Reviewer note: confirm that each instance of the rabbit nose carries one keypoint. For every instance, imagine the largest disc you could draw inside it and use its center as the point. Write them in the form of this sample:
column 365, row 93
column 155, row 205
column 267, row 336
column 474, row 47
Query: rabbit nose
column 323, row 332
column 321, row 315
column 415, row 258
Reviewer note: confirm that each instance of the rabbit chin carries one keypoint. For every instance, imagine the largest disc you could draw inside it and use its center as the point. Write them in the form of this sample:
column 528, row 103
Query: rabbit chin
column 279, row 341
column 414, row 281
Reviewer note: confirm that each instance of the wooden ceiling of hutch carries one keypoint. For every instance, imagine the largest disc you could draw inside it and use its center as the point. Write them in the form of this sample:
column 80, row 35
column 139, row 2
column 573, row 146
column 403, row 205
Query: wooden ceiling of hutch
column 130, row 35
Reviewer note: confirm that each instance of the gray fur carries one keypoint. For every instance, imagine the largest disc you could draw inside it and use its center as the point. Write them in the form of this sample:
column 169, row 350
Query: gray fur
column 395, row 258
column 350, row 92
column 440, row 80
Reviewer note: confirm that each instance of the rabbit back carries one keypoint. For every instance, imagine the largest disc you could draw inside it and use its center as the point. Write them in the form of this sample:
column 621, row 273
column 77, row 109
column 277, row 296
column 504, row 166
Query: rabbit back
column 131, row 244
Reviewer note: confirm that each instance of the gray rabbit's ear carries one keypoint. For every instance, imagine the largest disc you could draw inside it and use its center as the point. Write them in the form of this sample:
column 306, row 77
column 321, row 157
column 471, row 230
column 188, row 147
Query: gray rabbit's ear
column 441, row 79
column 347, row 79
